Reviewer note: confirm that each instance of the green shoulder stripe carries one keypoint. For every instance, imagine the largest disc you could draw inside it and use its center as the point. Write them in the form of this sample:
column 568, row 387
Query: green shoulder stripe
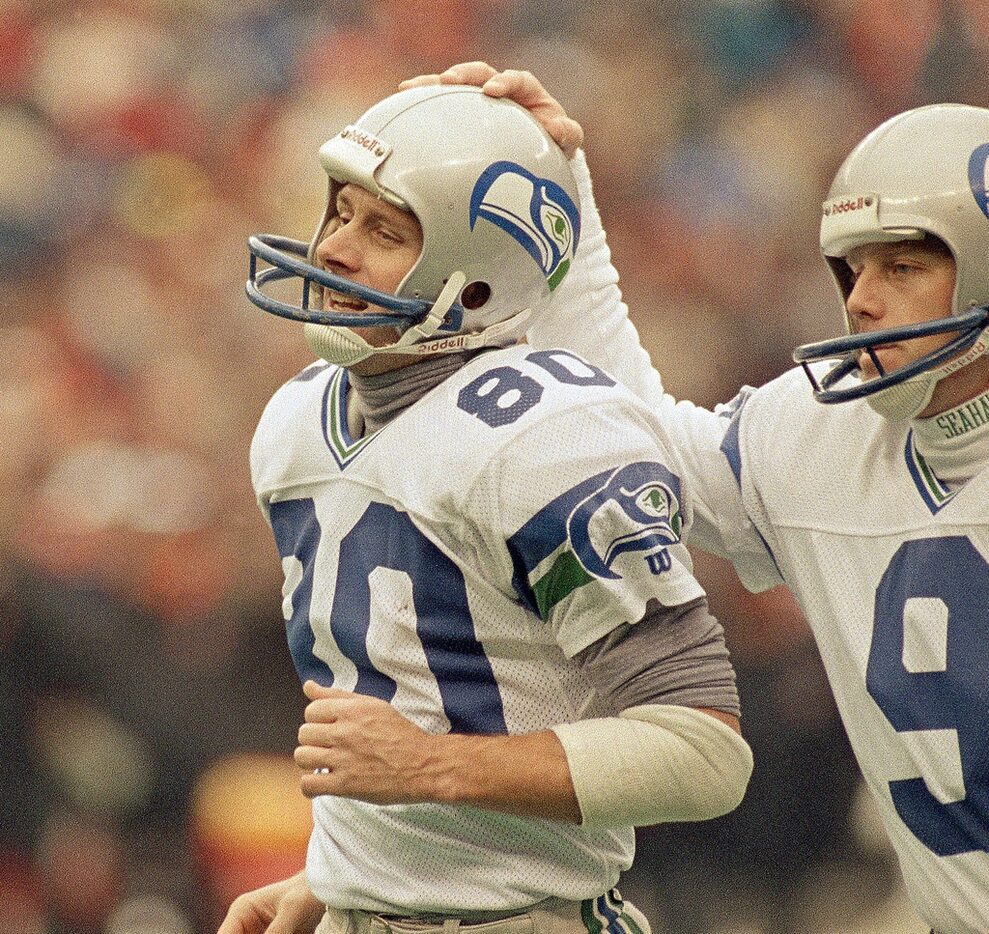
column 561, row 580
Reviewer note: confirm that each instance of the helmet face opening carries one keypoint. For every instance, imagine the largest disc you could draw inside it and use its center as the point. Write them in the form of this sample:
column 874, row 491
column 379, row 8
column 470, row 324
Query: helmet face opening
column 921, row 175
column 288, row 259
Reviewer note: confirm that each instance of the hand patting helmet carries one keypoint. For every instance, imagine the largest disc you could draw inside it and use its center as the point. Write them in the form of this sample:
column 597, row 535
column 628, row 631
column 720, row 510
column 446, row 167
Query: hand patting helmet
column 923, row 172
column 498, row 208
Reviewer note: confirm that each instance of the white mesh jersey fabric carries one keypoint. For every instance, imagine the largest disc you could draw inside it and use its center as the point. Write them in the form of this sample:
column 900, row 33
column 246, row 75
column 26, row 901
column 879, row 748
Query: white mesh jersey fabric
column 453, row 563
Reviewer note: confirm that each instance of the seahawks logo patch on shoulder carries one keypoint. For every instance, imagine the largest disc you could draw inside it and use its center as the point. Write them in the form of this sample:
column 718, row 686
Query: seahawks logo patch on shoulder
column 636, row 510
column 581, row 536
column 537, row 212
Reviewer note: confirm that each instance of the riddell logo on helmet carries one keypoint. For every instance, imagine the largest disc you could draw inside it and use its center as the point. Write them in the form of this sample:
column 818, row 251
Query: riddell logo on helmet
column 365, row 140
column 444, row 343
column 849, row 204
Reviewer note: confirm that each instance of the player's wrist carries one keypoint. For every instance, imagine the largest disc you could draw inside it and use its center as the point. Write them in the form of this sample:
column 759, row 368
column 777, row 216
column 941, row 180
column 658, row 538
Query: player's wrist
column 524, row 775
column 444, row 776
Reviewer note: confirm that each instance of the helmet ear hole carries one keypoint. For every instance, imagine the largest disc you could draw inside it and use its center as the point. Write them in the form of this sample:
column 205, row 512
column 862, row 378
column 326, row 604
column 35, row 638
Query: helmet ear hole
column 475, row 295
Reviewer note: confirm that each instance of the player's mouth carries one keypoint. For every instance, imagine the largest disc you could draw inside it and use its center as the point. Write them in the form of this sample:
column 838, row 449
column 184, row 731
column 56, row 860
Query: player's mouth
column 345, row 303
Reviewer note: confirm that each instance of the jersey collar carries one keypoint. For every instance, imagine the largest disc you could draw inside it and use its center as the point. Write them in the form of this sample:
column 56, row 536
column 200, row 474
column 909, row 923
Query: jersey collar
column 955, row 444
column 342, row 446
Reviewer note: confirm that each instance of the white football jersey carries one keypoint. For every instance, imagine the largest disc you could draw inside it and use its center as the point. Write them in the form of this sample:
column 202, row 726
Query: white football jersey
column 891, row 569
column 890, row 566
column 452, row 564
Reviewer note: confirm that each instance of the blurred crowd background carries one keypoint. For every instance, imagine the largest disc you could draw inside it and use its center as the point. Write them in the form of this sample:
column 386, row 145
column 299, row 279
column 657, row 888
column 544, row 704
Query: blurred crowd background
column 148, row 703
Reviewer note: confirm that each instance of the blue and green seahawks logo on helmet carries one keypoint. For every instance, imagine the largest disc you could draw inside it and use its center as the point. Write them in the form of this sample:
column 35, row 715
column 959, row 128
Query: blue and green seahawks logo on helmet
column 978, row 164
column 537, row 212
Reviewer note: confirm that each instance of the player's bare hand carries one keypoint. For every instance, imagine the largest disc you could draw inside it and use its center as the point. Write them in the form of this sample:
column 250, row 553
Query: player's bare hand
column 286, row 907
column 523, row 87
column 475, row 73
column 361, row 747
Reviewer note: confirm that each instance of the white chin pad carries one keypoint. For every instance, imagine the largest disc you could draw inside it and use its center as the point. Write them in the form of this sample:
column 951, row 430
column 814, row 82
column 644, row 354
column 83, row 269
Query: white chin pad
column 336, row 344
column 905, row 400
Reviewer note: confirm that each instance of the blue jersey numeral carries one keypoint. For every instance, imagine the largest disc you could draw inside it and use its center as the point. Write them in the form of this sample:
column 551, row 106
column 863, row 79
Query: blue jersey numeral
column 385, row 538
column 502, row 395
column 297, row 534
column 953, row 574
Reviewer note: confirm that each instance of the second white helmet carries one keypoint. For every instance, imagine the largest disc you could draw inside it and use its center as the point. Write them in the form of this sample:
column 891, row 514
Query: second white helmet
column 923, row 172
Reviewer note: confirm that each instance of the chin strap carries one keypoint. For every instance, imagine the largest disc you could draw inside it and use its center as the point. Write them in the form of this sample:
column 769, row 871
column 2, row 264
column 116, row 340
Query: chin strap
column 909, row 398
column 340, row 345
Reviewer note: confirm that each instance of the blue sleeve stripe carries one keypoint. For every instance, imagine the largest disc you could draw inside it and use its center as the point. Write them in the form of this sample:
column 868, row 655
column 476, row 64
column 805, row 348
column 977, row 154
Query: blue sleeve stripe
column 732, row 449
column 730, row 446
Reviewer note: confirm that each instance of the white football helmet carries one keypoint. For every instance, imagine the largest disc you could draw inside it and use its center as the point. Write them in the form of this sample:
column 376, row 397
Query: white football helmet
column 499, row 212
column 921, row 172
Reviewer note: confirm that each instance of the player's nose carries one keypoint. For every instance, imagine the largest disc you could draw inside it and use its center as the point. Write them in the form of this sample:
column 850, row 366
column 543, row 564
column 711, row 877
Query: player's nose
column 338, row 251
column 865, row 301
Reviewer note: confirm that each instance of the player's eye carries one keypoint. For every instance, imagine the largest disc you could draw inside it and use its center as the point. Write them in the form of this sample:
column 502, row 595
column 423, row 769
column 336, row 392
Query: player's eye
column 389, row 236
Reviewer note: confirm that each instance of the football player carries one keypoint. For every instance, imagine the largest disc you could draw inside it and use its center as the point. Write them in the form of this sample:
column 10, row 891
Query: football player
column 875, row 511
column 487, row 595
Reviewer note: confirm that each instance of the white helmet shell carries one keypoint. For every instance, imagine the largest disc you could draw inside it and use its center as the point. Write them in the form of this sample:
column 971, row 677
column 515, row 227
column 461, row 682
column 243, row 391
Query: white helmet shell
column 923, row 171
column 494, row 194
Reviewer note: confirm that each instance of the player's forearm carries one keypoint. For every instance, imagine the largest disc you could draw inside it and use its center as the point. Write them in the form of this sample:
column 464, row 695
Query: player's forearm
column 666, row 763
column 684, row 764
column 587, row 312
column 524, row 775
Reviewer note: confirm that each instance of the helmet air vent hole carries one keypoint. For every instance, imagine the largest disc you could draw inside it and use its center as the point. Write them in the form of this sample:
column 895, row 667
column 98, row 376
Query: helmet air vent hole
column 475, row 295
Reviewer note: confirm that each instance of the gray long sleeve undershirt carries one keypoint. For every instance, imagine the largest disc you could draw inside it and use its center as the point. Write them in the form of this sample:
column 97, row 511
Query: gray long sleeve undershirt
column 671, row 656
